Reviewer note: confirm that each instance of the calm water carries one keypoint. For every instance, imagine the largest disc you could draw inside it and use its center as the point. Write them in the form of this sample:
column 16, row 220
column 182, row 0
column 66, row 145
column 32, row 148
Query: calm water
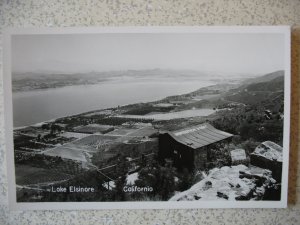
column 40, row 105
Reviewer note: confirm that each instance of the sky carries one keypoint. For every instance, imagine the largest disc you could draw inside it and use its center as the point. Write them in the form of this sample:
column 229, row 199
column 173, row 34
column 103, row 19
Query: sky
column 71, row 53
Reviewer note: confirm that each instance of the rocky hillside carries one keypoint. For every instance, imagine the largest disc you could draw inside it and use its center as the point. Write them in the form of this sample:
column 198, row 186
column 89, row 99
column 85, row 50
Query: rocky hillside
column 266, row 78
column 266, row 88
column 254, row 182
column 230, row 183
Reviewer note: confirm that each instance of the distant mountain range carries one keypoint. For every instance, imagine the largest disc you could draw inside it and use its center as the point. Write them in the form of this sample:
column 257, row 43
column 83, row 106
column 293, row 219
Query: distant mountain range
column 253, row 91
column 44, row 80
column 265, row 78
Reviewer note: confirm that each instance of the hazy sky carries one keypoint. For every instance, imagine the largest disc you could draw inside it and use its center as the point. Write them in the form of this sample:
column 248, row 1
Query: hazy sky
column 236, row 53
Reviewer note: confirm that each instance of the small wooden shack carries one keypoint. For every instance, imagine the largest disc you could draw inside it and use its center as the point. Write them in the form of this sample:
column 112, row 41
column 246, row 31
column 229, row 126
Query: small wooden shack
column 188, row 147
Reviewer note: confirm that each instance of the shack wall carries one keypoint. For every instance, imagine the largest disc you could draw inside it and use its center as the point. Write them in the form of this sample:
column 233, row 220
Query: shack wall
column 200, row 158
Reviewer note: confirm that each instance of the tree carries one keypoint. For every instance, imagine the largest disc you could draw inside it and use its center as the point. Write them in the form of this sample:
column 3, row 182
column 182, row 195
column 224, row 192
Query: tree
column 120, row 182
column 186, row 180
column 166, row 182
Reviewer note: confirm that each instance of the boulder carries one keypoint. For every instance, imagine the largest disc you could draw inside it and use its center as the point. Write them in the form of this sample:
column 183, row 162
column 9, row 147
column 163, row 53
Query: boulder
column 238, row 156
column 268, row 155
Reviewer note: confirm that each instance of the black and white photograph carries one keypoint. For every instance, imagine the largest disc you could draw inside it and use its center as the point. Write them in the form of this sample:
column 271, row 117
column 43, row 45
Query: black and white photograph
column 148, row 117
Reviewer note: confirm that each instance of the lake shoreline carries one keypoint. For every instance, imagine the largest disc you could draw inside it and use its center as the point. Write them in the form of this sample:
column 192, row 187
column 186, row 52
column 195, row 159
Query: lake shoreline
column 24, row 102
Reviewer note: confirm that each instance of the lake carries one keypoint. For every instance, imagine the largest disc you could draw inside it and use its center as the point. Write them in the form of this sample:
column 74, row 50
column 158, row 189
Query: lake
column 36, row 106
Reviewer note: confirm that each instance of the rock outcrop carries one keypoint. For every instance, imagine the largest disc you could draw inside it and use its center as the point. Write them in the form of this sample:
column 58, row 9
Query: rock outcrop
column 238, row 156
column 268, row 155
column 231, row 183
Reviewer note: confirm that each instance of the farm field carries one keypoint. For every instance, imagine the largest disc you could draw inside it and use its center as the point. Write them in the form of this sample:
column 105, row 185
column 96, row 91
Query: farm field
column 173, row 115
column 94, row 128
column 121, row 131
column 68, row 152
column 74, row 135
column 27, row 175
column 101, row 112
column 95, row 140
column 81, row 149
column 143, row 132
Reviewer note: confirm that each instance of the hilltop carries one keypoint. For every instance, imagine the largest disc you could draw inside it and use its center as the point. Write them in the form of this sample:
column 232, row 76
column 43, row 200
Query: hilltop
column 108, row 145
column 38, row 80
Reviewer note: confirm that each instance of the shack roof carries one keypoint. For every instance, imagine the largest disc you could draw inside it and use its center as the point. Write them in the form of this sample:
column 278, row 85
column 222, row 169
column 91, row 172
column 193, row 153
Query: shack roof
column 199, row 136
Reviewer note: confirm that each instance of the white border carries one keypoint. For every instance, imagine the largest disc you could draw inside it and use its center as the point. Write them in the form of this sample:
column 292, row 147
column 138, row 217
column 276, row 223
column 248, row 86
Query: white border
column 13, row 205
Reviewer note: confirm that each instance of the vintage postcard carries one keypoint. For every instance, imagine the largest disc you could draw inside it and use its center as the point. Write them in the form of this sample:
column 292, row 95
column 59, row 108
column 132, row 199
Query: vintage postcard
column 147, row 117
